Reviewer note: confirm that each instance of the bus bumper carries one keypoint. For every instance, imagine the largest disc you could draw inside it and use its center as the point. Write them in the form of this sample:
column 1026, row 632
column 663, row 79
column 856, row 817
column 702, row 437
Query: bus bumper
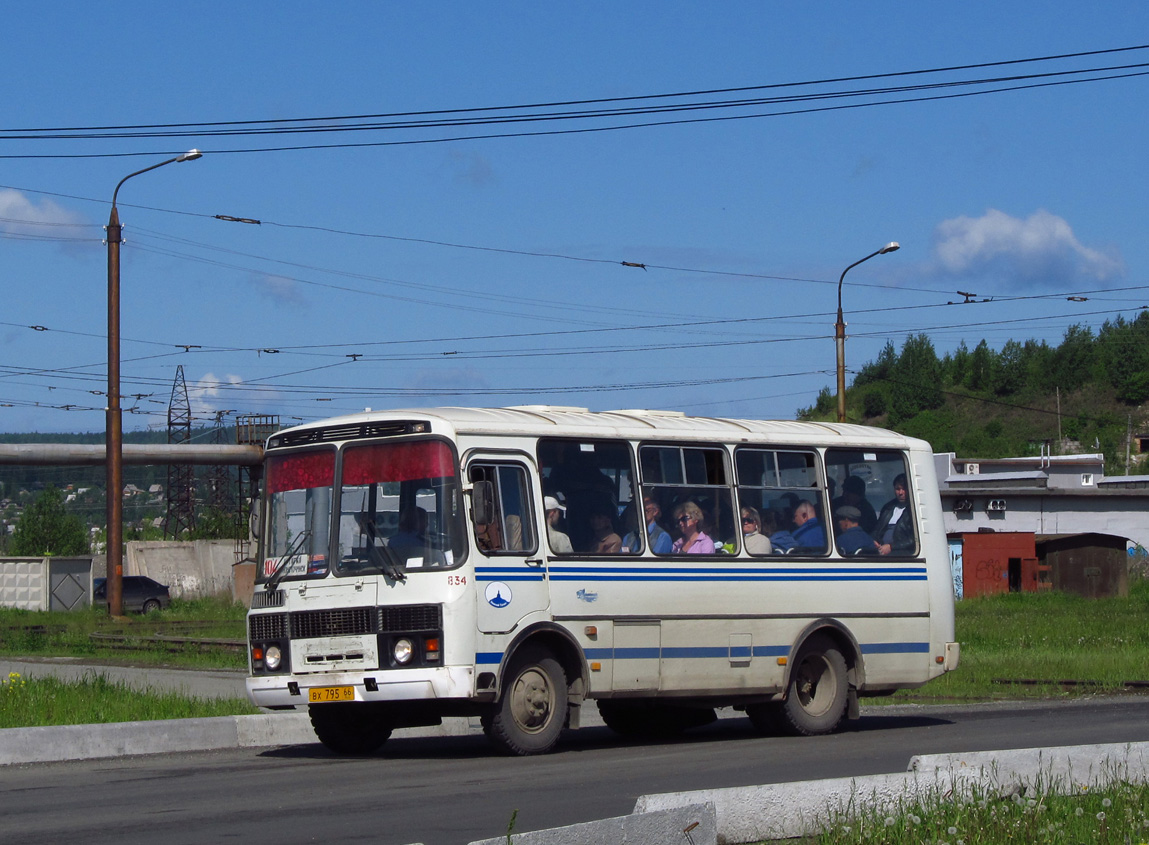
column 423, row 684
column 953, row 656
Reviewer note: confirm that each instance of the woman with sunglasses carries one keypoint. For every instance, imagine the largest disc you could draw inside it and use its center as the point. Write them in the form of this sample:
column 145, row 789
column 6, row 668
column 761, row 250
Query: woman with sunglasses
column 693, row 541
column 753, row 539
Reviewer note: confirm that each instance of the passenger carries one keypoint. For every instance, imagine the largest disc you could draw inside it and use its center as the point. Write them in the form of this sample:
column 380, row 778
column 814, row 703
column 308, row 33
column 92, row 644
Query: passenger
column 753, row 539
column 781, row 540
column 587, row 488
column 694, row 541
column 852, row 540
column 854, row 495
column 809, row 534
column 560, row 542
column 660, row 541
column 895, row 529
column 605, row 540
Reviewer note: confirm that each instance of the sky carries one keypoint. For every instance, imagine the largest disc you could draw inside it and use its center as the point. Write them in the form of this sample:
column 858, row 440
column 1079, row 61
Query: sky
column 603, row 205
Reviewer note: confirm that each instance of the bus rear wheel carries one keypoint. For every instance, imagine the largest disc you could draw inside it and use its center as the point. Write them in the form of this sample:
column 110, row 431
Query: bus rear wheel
column 817, row 693
column 530, row 716
column 352, row 728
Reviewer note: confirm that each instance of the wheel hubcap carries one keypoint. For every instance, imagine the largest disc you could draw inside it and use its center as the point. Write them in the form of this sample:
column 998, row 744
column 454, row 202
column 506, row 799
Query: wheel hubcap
column 812, row 692
column 532, row 700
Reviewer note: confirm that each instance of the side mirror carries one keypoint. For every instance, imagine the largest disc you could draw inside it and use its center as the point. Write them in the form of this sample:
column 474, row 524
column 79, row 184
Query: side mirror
column 253, row 519
column 482, row 502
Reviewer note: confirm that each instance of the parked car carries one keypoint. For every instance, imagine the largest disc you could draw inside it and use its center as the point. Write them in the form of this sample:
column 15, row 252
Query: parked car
column 139, row 594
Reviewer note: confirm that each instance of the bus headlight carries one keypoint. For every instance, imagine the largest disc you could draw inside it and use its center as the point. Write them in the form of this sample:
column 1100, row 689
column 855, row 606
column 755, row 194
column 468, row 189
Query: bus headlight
column 273, row 657
column 403, row 651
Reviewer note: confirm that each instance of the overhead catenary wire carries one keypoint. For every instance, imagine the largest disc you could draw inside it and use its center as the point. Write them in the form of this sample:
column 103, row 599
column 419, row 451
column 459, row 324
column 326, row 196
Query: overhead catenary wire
column 497, row 115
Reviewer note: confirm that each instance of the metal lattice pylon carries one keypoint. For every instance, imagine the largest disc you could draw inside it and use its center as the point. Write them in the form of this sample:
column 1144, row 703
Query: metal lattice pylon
column 221, row 478
column 180, row 516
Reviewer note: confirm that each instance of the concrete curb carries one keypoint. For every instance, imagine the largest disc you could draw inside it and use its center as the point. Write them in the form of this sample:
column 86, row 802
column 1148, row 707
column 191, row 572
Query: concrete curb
column 116, row 739
column 691, row 825
column 790, row 810
column 119, row 739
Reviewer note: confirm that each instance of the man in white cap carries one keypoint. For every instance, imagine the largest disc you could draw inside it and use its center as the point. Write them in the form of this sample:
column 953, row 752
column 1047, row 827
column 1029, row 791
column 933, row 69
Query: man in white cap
column 560, row 542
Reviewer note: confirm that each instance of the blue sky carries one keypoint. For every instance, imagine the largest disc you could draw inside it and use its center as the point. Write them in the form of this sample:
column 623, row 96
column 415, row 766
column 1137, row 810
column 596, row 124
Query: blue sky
column 489, row 271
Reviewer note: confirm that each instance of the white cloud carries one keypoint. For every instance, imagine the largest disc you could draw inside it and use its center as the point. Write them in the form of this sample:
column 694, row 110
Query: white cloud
column 279, row 289
column 20, row 216
column 1023, row 253
column 204, row 395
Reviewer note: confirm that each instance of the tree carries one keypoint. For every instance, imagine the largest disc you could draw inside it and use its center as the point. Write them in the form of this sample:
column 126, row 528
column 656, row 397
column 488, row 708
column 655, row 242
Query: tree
column 979, row 371
column 1009, row 369
column 46, row 528
column 915, row 380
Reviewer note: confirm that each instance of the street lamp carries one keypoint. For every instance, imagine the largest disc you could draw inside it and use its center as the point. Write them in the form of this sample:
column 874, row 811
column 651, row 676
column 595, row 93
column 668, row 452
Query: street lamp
column 840, row 330
column 114, row 436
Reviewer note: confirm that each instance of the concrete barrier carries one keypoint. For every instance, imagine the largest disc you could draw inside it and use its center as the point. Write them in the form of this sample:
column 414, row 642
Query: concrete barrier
column 806, row 808
column 689, row 825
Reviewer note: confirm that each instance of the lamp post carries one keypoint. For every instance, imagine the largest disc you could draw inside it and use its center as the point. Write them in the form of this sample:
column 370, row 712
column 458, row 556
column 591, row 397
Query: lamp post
column 114, row 435
column 840, row 330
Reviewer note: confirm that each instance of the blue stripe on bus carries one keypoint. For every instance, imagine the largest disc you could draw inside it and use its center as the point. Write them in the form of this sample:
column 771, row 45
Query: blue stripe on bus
column 671, row 574
column 731, row 570
column 710, row 652
column 735, row 576
column 895, row 648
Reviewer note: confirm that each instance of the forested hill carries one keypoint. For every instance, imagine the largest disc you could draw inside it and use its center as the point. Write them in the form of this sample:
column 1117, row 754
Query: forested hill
column 1086, row 394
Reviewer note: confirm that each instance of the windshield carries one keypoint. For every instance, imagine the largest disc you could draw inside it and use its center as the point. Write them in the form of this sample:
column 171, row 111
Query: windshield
column 299, row 492
column 400, row 508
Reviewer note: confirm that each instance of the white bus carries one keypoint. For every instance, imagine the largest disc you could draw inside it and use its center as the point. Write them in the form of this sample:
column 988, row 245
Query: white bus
column 514, row 563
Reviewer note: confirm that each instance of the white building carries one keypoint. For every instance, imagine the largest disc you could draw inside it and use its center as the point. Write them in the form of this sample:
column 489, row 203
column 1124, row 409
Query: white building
column 1048, row 495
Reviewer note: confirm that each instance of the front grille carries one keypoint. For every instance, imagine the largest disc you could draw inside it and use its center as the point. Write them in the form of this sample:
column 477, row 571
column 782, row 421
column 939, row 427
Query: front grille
column 267, row 626
column 305, row 624
column 416, row 617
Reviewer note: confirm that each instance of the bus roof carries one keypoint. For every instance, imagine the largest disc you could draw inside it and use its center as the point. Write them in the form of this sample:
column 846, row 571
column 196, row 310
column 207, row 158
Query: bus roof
column 554, row 420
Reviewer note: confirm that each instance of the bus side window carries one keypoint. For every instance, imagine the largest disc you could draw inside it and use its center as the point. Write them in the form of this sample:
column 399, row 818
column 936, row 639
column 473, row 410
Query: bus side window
column 594, row 479
column 869, row 481
column 782, row 487
column 509, row 526
column 683, row 481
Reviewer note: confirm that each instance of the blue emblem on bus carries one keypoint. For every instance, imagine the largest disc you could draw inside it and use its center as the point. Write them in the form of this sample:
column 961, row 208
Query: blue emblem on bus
column 498, row 594
column 586, row 595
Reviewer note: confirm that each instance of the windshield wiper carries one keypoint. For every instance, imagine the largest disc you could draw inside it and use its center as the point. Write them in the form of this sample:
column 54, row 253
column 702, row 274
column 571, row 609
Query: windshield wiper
column 281, row 567
column 387, row 560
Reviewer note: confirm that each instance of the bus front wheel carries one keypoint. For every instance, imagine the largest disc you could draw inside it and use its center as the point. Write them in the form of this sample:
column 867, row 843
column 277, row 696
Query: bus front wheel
column 530, row 716
column 354, row 728
column 817, row 693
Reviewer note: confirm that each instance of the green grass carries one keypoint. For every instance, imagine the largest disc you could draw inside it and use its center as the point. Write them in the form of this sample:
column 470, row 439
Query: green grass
column 91, row 634
column 1045, row 637
column 1114, row 813
column 50, row 701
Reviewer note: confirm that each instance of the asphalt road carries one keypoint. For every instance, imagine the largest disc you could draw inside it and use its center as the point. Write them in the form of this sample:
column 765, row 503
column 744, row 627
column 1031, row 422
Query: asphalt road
column 455, row 790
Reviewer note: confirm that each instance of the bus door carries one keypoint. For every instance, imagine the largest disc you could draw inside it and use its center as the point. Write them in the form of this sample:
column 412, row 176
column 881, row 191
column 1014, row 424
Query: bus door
column 510, row 569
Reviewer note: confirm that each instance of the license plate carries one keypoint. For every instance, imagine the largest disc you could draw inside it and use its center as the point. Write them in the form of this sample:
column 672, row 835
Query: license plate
column 319, row 694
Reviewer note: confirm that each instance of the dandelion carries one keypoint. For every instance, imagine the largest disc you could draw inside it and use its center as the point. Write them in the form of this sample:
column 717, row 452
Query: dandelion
column 916, row 819
column 1101, row 816
column 1079, row 811
column 952, row 831
column 1105, row 802
column 889, row 821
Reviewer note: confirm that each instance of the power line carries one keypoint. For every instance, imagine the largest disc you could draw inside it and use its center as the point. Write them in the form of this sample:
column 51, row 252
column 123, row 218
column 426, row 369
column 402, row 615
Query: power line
column 494, row 115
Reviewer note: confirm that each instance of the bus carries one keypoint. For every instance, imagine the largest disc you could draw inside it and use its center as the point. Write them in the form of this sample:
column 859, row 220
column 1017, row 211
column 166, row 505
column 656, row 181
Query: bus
column 514, row 564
